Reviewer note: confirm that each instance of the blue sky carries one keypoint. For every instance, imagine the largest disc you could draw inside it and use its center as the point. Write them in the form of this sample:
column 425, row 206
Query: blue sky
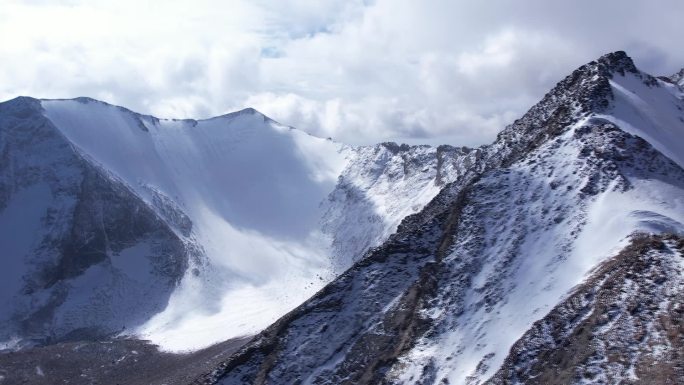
column 431, row 71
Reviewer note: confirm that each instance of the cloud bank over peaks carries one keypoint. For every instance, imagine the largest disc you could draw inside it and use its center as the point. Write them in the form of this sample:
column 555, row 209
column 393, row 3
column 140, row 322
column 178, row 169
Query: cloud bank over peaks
column 361, row 72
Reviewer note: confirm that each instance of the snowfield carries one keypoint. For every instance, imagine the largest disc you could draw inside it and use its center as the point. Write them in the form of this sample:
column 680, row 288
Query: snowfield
column 251, row 189
column 266, row 214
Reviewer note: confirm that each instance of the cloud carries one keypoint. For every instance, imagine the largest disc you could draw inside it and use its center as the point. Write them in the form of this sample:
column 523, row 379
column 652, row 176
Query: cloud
column 433, row 71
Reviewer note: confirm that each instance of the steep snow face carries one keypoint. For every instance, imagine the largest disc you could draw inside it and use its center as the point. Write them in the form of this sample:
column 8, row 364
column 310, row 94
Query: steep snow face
column 652, row 109
column 263, row 214
column 235, row 171
column 242, row 188
column 82, row 256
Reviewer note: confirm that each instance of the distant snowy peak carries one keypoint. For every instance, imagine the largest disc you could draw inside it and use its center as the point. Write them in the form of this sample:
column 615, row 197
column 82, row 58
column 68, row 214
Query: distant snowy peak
column 677, row 78
column 245, row 112
column 228, row 116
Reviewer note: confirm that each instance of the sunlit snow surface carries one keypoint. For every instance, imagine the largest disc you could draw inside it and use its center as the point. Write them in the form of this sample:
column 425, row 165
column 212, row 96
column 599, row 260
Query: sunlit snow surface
column 258, row 194
column 251, row 188
column 653, row 113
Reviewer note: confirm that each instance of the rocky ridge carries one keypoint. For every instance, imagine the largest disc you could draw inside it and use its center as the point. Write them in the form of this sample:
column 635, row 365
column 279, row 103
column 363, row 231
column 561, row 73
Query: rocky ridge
column 446, row 297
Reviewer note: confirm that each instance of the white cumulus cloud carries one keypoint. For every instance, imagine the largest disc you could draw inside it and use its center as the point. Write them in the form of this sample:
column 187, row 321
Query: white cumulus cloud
column 432, row 71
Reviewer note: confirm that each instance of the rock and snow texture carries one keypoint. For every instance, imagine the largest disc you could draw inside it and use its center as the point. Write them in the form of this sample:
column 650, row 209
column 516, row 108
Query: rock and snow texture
column 677, row 78
column 517, row 235
column 529, row 234
column 184, row 232
column 625, row 324
column 383, row 185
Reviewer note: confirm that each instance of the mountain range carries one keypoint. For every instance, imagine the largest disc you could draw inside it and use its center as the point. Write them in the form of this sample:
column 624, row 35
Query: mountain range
column 554, row 255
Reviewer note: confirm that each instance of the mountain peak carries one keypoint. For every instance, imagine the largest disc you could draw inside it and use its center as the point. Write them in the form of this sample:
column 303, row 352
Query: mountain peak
column 244, row 111
column 586, row 90
column 616, row 62
column 248, row 111
column 678, row 78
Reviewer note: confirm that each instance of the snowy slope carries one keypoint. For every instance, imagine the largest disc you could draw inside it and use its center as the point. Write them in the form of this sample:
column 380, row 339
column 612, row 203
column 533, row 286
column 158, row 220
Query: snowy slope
column 622, row 325
column 383, row 185
column 652, row 110
column 250, row 189
column 560, row 192
column 540, row 226
column 255, row 205
column 82, row 255
column 551, row 218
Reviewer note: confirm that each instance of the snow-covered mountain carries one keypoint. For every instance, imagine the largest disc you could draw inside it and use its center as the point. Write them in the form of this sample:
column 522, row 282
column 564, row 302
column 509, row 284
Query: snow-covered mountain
column 553, row 255
column 184, row 232
column 677, row 78
column 556, row 255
